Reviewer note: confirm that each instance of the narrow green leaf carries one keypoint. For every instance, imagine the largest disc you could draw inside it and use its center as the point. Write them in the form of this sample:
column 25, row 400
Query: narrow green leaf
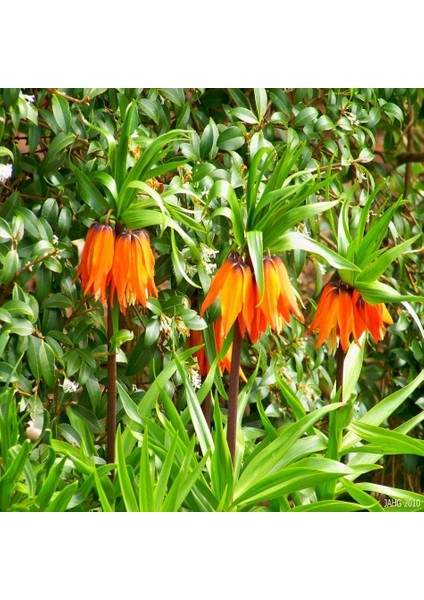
column 149, row 159
column 89, row 192
column 404, row 500
column 256, row 252
column 223, row 189
column 296, row 240
column 280, row 220
column 125, row 483
column 376, row 268
column 303, row 474
column 122, row 151
column 362, row 497
column 386, row 441
column 197, row 417
column 382, row 411
column 328, row 506
column 377, row 292
column 222, row 476
column 106, row 507
column 128, row 404
column 352, row 367
column 163, row 479
column 61, row 501
column 290, row 397
column 50, row 484
column 255, row 177
column 268, row 461
column 149, row 399
column 145, row 484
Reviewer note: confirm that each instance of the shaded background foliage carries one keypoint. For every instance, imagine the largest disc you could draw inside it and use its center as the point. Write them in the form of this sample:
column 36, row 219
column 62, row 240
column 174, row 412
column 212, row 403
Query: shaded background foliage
column 50, row 333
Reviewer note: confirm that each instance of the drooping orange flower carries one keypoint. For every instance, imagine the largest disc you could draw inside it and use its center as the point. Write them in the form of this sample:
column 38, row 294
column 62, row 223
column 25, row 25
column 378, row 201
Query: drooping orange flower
column 132, row 270
column 239, row 296
column 278, row 299
column 259, row 322
column 342, row 312
column 233, row 283
column 95, row 267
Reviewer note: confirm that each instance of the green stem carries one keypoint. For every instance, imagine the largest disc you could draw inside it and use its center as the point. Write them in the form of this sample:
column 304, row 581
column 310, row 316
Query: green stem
column 233, row 391
column 111, row 393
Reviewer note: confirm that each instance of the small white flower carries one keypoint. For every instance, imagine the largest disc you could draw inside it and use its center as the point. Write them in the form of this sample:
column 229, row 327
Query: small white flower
column 181, row 326
column 55, row 239
column 30, row 266
column 27, row 98
column 5, row 172
column 165, row 325
column 190, row 270
column 135, row 388
column 196, row 380
column 210, row 268
column 208, row 253
column 69, row 386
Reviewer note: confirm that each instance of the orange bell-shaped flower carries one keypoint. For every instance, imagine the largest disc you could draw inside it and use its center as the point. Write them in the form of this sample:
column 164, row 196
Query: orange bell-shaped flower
column 233, row 283
column 342, row 312
column 133, row 268
column 95, row 268
column 278, row 299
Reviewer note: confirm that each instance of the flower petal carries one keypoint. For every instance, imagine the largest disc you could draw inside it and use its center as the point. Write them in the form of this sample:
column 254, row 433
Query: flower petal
column 345, row 318
column 231, row 297
column 216, row 285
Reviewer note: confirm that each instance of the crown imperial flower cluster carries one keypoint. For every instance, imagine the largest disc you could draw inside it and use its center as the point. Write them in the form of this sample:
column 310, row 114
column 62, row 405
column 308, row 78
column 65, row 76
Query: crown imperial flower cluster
column 238, row 291
column 342, row 312
column 122, row 263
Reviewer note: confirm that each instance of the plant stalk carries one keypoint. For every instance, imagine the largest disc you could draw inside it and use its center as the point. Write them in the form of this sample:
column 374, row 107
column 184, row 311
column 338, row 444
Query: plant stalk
column 340, row 358
column 111, row 392
column 233, row 391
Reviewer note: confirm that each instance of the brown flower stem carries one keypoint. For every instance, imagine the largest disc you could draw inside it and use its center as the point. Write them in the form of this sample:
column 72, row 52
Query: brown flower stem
column 234, row 391
column 111, row 392
column 340, row 358
column 207, row 408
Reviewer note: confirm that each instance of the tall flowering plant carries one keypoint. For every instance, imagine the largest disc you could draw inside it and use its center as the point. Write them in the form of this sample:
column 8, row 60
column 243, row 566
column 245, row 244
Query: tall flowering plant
column 353, row 302
column 252, row 285
column 352, row 305
column 117, row 264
